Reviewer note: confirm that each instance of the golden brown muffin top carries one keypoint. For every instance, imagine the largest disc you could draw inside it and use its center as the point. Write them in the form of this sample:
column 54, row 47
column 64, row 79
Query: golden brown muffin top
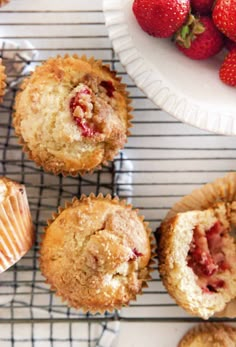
column 72, row 114
column 8, row 188
column 96, row 253
column 210, row 335
column 2, row 79
column 4, row 2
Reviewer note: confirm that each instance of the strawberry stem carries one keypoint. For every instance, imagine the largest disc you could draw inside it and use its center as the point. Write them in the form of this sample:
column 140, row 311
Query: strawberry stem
column 189, row 31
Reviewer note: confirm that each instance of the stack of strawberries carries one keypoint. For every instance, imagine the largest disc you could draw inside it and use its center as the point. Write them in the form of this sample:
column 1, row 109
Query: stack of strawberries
column 200, row 28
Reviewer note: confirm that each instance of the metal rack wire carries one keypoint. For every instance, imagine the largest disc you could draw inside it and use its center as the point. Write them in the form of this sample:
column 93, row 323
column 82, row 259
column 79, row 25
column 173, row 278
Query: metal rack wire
column 167, row 159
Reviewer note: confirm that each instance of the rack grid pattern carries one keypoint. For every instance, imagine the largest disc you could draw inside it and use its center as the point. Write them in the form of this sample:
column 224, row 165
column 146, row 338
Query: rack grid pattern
column 163, row 158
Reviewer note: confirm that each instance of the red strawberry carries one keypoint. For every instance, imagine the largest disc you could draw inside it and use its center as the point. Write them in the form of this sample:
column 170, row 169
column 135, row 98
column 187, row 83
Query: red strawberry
column 202, row 7
column 224, row 17
column 229, row 44
column 228, row 69
column 199, row 38
column 161, row 18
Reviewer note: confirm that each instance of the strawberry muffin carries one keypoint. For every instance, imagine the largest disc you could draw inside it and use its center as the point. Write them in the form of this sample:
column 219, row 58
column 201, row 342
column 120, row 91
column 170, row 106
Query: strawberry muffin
column 96, row 253
column 72, row 115
column 2, row 80
column 209, row 335
column 4, row 2
column 197, row 258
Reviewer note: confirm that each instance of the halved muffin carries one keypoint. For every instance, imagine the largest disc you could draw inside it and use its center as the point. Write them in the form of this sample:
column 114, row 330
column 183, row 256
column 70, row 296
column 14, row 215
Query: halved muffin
column 197, row 259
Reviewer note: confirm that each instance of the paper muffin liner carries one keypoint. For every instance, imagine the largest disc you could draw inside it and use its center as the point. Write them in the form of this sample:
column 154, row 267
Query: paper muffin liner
column 16, row 228
column 147, row 271
column 56, row 170
column 222, row 189
column 2, row 80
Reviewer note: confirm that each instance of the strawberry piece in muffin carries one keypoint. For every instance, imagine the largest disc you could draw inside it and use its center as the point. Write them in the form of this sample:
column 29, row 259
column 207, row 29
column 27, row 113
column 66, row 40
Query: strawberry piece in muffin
column 197, row 259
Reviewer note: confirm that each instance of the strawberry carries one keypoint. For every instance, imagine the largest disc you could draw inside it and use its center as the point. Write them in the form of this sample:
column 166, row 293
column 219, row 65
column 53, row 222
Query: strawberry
column 161, row 18
column 229, row 44
column 199, row 38
column 202, row 7
column 224, row 17
column 227, row 71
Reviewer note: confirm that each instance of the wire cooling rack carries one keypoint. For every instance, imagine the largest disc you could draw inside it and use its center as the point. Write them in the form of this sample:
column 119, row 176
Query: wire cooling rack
column 162, row 161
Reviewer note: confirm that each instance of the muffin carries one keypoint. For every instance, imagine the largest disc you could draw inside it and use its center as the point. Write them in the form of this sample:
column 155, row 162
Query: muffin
column 197, row 259
column 16, row 228
column 4, row 2
column 72, row 115
column 2, row 80
column 96, row 253
column 209, row 335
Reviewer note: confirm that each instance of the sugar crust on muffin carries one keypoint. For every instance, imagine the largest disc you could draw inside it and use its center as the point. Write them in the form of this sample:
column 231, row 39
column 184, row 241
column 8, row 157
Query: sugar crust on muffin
column 72, row 114
column 209, row 335
column 197, row 259
column 96, row 253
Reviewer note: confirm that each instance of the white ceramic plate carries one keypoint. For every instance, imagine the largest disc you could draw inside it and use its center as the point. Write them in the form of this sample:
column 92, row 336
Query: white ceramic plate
column 189, row 90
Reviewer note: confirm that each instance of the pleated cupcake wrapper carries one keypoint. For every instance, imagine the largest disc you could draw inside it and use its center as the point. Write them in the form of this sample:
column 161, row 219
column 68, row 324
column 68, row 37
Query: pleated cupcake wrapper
column 123, row 203
column 56, row 170
column 221, row 190
column 16, row 229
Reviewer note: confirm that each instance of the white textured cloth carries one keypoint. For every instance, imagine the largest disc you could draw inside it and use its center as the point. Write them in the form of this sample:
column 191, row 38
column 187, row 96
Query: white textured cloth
column 17, row 58
column 123, row 177
column 33, row 300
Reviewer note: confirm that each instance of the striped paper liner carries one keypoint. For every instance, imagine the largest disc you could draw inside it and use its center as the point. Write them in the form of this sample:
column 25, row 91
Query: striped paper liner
column 16, row 229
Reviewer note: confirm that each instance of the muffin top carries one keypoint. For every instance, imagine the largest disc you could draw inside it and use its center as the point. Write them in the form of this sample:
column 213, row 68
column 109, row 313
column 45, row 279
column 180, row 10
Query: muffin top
column 209, row 335
column 72, row 114
column 96, row 253
column 4, row 2
column 2, row 79
column 8, row 188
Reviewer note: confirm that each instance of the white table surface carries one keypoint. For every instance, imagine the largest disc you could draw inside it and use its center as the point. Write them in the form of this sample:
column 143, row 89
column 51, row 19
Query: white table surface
column 169, row 158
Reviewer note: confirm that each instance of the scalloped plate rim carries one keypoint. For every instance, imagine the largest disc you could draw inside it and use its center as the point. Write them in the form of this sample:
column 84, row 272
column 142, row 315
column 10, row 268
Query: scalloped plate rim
column 223, row 124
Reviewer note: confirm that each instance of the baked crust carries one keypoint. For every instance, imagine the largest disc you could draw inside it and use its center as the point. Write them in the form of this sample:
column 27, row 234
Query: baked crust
column 96, row 253
column 209, row 335
column 174, row 240
column 8, row 187
column 2, row 79
column 47, row 129
column 4, row 2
